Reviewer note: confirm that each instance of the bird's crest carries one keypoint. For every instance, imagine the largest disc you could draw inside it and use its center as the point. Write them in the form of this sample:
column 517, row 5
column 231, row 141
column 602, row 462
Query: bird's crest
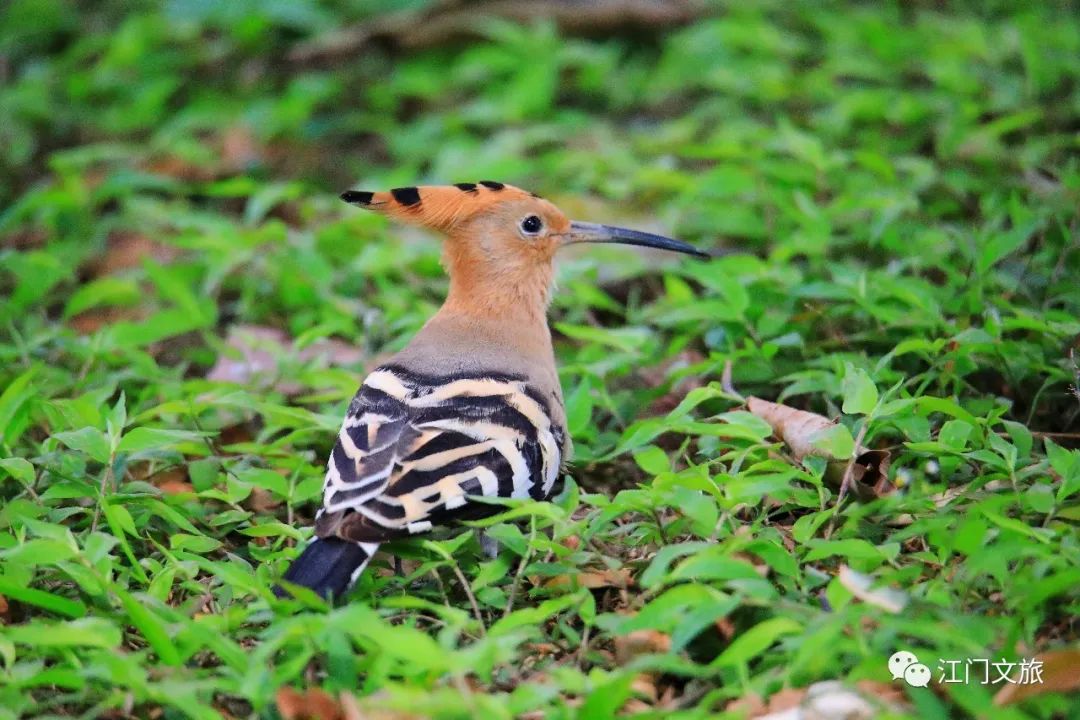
column 436, row 206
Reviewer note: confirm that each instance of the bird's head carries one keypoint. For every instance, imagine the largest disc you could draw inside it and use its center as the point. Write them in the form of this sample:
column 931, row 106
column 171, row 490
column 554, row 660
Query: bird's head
column 499, row 235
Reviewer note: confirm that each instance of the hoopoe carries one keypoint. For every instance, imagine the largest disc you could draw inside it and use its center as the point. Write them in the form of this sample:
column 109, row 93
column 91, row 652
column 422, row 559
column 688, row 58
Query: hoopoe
column 472, row 406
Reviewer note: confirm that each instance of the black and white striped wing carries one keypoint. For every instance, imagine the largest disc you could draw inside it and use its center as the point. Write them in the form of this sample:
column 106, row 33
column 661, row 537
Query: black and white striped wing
column 413, row 449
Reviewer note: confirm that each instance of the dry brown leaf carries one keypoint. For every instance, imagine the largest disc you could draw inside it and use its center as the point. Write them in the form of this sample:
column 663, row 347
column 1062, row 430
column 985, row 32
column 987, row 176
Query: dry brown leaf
column 239, row 149
column 5, row 610
column 726, row 628
column 349, row 707
column 544, row 648
column 125, row 250
column 234, row 435
column 255, row 353
column 640, row 642
column 785, row 699
column 371, row 708
column 174, row 166
column 750, row 706
column 887, row 693
column 311, row 704
column 594, row 579
column 24, row 239
column 1060, row 673
column 90, row 321
column 821, row 701
column 644, row 685
column 617, row 578
column 256, row 347
column 236, row 150
column 799, row 430
column 173, row 481
column 261, row 501
column 869, row 474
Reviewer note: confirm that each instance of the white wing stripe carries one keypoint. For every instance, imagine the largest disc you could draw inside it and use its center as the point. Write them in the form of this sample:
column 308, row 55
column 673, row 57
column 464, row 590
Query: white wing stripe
column 389, row 383
column 415, row 506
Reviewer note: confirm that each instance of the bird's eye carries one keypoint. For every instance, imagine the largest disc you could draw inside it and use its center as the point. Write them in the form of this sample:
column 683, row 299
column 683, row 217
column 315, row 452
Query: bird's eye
column 532, row 225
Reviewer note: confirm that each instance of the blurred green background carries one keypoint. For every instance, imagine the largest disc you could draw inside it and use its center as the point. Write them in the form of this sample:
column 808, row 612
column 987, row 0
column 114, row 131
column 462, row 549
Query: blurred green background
column 186, row 309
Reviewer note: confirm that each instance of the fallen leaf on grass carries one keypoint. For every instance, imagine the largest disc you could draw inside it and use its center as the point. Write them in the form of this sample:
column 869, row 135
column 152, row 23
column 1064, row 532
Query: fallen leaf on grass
column 239, row 149
column 821, row 701
column 861, row 586
column 644, row 685
column 725, row 628
column 255, row 352
column 237, row 434
column 800, row 430
column 173, row 481
column 640, row 642
column 594, row 579
column 797, row 428
column 125, row 250
column 90, row 321
column 261, row 501
column 1060, row 673
column 24, row 239
column 236, row 149
column 311, row 704
column 370, row 708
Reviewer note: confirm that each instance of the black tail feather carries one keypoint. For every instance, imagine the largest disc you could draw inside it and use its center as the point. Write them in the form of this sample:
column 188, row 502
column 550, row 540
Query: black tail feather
column 328, row 566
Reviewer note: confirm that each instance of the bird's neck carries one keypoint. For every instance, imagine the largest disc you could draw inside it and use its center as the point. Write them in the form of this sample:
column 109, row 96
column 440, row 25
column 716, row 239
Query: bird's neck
column 523, row 300
column 515, row 311
column 517, row 292
column 494, row 317
column 501, row 324
column 460, row 340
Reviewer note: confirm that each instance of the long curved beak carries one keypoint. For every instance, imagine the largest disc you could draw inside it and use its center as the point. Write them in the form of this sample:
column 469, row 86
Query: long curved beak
column 584, row 232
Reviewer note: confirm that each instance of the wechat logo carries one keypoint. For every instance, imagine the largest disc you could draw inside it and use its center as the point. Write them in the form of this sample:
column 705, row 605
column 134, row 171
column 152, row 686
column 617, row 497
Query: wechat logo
column 903, row 665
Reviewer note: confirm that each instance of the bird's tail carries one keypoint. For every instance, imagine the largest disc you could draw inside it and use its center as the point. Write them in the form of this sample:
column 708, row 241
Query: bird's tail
column 328, row 566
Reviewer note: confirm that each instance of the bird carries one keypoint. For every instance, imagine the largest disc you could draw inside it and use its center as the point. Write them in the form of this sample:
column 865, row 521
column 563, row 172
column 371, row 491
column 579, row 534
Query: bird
column 472, row 406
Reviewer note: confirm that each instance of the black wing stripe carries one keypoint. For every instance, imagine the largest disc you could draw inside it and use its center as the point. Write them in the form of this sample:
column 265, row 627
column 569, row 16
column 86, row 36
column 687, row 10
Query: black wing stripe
column 345, row 465
column 415, row 445
column 358, row 434
column 443, row 442
column 416, row 480
column 481, row 410
column 425, row 382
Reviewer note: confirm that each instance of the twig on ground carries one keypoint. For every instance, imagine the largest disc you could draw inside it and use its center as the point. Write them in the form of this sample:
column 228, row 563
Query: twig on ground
column 516, row 585
column 469, row 594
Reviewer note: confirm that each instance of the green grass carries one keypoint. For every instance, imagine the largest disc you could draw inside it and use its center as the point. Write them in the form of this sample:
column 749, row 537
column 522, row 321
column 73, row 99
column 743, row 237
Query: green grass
column 896, row 193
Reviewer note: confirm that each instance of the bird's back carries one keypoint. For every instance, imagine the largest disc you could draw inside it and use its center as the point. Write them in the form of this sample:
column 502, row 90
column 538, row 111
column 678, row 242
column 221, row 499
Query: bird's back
column 417, row 443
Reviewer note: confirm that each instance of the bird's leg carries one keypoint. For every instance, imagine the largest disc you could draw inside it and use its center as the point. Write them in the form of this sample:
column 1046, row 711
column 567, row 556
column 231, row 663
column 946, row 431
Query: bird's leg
column 398, row 570
column 489, row 545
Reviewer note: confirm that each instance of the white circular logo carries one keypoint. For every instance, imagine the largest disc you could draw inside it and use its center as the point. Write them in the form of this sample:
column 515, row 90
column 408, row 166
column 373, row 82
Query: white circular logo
column 917, row 675
column 899, row 662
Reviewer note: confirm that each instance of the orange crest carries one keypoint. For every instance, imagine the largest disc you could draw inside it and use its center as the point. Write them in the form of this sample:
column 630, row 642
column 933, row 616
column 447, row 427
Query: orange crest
column 440, row 207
